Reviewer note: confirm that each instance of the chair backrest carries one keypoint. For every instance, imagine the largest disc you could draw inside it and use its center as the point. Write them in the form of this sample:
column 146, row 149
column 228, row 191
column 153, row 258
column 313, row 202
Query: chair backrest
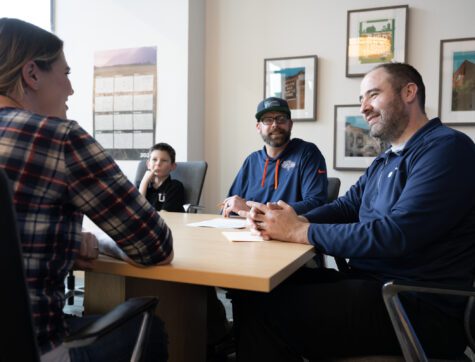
column 333, row 188
column 190, row 173
column 334, row 184
column 19, row 343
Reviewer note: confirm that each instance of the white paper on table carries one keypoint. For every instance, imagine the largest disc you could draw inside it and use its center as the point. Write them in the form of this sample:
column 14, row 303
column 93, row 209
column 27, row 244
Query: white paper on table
column 108, row 246
column 241, row 236
column 222, row 223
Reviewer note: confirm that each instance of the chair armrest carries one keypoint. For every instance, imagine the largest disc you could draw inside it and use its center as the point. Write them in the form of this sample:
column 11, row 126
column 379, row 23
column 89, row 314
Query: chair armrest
column 410, row 344
column 394, row 287
column 110, row 321
column 189, row 208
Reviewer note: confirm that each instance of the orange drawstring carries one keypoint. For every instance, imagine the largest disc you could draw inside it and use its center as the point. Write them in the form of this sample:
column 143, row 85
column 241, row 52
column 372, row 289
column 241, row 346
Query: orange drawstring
column 276, row 175
column 265, row 173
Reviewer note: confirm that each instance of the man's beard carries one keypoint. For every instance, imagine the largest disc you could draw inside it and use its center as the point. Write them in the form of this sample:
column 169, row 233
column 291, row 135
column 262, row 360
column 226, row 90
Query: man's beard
column 279, row 141
column 392, row 122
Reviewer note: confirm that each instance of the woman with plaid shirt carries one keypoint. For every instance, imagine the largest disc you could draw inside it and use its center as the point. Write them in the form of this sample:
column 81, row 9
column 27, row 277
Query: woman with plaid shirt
column 59, row 173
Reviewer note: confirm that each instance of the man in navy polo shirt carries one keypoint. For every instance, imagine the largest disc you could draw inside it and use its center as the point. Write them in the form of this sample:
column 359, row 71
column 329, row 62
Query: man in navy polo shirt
column 410, row 216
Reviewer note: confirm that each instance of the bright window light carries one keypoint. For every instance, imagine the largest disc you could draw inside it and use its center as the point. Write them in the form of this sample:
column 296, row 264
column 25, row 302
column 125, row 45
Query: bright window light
column 33, row 11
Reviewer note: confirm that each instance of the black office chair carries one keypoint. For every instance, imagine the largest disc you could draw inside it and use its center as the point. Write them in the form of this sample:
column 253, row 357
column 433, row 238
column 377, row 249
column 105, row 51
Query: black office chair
column 411, row 347
column 19, row 343
column 334, row 184
column 408, row 340
column 190, row 173
column 333, row 190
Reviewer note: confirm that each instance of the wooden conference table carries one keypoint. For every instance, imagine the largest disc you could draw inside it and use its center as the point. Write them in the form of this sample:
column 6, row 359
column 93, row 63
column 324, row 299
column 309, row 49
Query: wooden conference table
column 203, row 257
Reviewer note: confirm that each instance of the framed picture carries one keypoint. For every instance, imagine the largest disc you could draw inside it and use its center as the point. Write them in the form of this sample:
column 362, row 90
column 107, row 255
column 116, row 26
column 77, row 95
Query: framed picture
column 375, row 36
column 457, row 81
column 295, row 80
column 353, row 147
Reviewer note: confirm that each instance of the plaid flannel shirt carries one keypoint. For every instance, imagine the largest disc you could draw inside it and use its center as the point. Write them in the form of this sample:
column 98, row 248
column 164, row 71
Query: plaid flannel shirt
column 59, row 173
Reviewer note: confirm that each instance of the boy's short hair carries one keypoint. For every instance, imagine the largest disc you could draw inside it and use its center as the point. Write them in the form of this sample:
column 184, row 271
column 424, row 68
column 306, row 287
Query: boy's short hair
column 162, row 146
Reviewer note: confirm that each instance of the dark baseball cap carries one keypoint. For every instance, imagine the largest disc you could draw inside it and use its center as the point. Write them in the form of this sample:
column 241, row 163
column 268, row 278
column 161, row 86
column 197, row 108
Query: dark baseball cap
column 272, row 104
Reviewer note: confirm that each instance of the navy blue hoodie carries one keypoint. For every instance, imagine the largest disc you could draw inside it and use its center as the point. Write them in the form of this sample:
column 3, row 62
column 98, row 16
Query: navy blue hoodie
column 411, row 216
column 297, row 176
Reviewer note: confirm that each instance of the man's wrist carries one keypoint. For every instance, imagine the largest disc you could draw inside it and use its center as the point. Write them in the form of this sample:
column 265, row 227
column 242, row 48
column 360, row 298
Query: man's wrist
column 301, row 233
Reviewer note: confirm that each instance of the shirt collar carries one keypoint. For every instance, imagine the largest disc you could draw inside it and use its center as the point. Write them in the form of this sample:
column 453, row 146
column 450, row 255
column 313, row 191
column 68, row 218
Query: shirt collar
column 397, row 149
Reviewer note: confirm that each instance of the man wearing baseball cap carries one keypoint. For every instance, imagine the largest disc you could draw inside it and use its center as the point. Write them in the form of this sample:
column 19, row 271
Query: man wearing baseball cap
column 290, row 170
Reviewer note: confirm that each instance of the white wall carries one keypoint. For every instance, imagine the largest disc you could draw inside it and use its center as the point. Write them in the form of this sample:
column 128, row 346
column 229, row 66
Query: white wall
column 241, row 34
column 196, row 80
column 210, row 78
column 88, row 25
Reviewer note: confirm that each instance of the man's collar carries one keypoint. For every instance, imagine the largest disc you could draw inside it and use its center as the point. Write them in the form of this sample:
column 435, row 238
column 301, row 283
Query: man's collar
column 397, row 148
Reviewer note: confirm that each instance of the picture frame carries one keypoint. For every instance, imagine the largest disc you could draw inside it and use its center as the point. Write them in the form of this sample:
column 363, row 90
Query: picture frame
column 375, row 36
column 353, row 148
column 295, row 80
column 457, row 81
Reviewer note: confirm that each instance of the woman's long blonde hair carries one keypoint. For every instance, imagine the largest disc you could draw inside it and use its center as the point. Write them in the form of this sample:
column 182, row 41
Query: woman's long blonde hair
column 21, row 42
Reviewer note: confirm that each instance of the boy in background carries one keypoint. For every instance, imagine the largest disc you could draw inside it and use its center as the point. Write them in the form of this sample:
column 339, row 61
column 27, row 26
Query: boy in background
column 157, row 186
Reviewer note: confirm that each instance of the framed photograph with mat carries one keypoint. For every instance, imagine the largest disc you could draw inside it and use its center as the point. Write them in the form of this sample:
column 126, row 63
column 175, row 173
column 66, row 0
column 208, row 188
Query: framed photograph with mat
column 375, row 36
column 295, row 80
column 457, row 81
column 353, row 147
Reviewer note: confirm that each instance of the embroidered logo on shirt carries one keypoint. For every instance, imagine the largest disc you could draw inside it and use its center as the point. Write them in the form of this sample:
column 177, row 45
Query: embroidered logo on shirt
column 321, row 171
column 392, row 172
column 288, row 165
column 161, row 197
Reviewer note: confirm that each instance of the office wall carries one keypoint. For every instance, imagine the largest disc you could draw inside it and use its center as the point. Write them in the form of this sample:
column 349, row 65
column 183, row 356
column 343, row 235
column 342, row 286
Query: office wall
column 87, row 26
column 241, row 34
column 210, row 56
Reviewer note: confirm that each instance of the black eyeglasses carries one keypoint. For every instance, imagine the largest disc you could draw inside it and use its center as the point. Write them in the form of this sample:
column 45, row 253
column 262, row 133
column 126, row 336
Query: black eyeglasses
column 280, row 119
